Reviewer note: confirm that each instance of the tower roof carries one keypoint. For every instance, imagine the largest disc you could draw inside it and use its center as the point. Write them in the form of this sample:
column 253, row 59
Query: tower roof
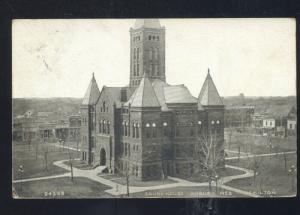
column 144, row 95
column 209, row 94
column 92, row 93
column 147, row 23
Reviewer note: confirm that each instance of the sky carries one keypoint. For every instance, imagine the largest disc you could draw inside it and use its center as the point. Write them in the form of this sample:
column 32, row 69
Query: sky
column 56, row 58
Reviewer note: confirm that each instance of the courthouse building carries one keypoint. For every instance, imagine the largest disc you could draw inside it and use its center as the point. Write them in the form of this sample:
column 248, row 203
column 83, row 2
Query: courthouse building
column 149, row 128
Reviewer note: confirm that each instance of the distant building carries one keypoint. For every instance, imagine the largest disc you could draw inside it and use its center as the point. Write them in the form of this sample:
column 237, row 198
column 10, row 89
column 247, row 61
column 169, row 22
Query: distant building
column 239, row 116
column 149, row 128
column 292, row 122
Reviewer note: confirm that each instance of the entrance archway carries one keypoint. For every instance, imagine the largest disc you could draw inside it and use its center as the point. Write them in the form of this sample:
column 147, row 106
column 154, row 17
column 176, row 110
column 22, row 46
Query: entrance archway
column 102, row 157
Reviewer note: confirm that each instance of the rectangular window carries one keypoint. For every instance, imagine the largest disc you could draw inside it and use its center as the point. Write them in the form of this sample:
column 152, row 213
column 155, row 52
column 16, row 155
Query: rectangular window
column 148, row 132
column 154, row 132
column 133, row 131
column 108, row 128
column 192, row 132
column 177, row 132
column 128, row 150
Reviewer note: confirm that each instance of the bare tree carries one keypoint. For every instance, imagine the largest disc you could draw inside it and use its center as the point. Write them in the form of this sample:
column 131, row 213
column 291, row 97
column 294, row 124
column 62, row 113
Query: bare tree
column 45, row 153
column 255, row 164
column 210, row 155
column 285, row 161
column 125, row 172
column 71, row 164
column 36, row 149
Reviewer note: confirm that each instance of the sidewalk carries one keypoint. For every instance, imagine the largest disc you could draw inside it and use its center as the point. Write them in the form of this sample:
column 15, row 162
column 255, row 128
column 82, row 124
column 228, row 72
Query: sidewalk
column 260, row 155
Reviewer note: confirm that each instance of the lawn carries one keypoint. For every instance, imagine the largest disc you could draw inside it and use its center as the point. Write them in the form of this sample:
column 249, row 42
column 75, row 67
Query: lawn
column 272, row 177
column 186, row 192
column 25, row 156
column 221, row 173
column 259, row 144
column 132, row 182
column 62, row 188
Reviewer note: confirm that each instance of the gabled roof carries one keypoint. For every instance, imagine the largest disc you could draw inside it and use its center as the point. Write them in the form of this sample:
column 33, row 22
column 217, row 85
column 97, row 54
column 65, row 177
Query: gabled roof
column 115, row 94
column 92, row 93
column 178, row 94
column 209, row 94
column 147, row 23
column 144, row 95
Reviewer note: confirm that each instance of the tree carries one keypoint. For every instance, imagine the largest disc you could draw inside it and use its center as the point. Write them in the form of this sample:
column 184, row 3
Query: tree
column 36, row 149
column 255, row 164
column 285, row 161
column 45, row 153
column 71, row 164
column 210, row 155
column 125, row 172
column 29, row 138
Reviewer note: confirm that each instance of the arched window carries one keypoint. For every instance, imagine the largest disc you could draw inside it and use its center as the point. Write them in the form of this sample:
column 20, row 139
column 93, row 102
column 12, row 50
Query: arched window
column 156, row 54
column 150, row 53
column 156, row 70
column 125, row 128
column 149, row 37
column 108, row 127
column 137, row 130
column 103, row 106
column 104, row 127
column 148, row 130
column 151, row 69
column 133, row 130
column 134, row 53
column 154, row 130
column 138, row 70
column 199, row 127
column 100, row 127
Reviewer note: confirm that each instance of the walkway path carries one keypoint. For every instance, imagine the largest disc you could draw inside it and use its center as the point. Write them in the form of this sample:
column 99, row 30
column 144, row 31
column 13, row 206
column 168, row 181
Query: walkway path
column 65, row 147
column 260, row 155
column 118, row 189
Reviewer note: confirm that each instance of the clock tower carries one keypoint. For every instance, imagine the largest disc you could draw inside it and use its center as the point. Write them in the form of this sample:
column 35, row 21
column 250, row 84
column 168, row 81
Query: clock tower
column 147, row 51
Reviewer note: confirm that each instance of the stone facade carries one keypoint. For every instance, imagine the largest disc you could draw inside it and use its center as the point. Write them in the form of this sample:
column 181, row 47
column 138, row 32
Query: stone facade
column 149, row 129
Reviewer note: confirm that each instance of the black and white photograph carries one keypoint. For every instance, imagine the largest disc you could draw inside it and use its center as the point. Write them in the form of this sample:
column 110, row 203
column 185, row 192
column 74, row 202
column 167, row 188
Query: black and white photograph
column 154, row 108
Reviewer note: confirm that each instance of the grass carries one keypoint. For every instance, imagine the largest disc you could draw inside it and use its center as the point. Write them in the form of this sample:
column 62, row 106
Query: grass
column 259, row 144
column 221, row 172
column 25, row 156
column 62, row 188
column 186, row 192
column 272, row 177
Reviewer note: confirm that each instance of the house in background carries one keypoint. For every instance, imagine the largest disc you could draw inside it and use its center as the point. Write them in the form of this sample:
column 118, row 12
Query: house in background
column 239, row 116
column 292, row 122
